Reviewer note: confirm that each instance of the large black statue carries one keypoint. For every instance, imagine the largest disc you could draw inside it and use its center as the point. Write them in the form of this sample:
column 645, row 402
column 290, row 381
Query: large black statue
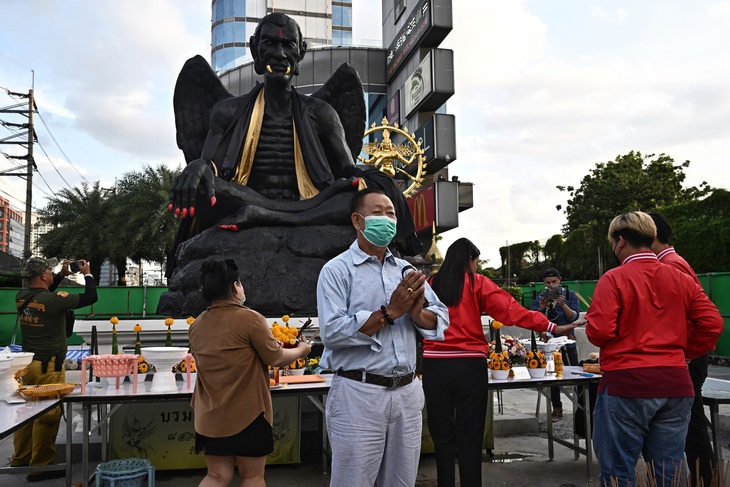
column 271, row 158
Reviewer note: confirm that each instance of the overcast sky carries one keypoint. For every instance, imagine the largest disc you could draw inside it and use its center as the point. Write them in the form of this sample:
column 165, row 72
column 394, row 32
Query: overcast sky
column 544, row 91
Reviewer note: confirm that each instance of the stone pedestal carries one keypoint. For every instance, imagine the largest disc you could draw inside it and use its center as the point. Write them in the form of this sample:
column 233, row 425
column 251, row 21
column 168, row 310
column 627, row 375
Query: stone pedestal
column 279, row 267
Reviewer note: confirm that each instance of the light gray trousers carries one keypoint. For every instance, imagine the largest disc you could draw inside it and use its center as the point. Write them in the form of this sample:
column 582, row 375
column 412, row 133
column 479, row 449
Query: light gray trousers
column 375, row 433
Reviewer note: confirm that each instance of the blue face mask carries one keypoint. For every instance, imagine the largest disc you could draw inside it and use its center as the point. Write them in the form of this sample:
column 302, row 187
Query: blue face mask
column 379, row 229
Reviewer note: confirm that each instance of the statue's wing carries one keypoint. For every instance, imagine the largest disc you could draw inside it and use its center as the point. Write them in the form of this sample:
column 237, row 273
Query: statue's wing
column 345, row 93
column 196, row 91
column 403, row 150
column 370, row 148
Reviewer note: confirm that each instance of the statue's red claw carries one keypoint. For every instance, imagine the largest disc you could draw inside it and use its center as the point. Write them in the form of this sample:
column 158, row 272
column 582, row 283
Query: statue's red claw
column 184, row 212
column 192, row 211
column 212, row 201
column 177, row 212
column 169, row 207
column 232, row 228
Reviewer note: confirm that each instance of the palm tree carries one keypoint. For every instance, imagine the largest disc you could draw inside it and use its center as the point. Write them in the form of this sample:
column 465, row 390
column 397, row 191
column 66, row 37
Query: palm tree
column 140, row 213
column 80, row 218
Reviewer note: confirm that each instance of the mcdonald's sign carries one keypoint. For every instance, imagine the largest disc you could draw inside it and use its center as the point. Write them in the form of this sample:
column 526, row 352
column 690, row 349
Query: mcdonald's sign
column 436, row 204
column 422, row 206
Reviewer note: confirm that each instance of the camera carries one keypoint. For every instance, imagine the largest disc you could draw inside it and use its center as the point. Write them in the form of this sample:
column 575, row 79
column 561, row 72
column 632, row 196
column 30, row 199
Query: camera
column 552, row 293
column 75, row 266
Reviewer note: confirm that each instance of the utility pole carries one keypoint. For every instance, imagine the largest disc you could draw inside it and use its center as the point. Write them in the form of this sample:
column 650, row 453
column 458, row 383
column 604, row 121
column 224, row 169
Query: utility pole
column 28, row 174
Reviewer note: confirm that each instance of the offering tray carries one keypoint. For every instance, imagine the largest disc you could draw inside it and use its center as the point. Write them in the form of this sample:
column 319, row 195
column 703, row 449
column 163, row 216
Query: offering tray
column 48, row 390
column 300, row 379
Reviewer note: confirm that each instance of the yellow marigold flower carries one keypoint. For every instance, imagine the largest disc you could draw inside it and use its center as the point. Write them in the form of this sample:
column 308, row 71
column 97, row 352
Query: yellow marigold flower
column 137, row 328
column 497, row 324
column 292, row 341
column 505, row 365
column 114, row 320
column 143, row 368
column 533, row 364
column 169, row 321
column 140, row 359
column 285, row 318
column 190, row 320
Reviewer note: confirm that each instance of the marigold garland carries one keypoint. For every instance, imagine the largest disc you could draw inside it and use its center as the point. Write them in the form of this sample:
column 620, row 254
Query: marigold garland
column 115, row 345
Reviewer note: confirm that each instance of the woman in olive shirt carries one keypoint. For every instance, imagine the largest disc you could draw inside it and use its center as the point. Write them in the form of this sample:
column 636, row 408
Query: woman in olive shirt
column 232, row 346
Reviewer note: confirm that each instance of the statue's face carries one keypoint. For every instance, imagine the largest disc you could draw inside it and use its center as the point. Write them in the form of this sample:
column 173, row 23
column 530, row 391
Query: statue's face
column 278, row 51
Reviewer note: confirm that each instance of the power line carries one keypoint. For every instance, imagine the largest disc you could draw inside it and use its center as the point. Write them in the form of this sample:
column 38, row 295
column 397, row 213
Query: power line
column 73, row 166
column 52, row 164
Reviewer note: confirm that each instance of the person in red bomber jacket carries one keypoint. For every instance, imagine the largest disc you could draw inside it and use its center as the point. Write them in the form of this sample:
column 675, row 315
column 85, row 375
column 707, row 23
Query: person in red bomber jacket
column 455, row 369
column 640, row 317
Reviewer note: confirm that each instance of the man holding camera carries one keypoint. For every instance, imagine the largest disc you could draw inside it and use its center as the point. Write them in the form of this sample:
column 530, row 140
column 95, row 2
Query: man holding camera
column 43, row 327
column 562, row 308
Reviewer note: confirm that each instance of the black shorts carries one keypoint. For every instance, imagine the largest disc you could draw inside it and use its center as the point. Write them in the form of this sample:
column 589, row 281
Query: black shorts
column 256, row 440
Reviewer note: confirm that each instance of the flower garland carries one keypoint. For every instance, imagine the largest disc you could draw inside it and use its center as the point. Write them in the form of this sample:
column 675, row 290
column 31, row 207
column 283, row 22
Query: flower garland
column 285, row 334
column 535, row 358
column 142, row 366
column 168, row 340
column 115, row 345
column 182, row 367
column 498, row 359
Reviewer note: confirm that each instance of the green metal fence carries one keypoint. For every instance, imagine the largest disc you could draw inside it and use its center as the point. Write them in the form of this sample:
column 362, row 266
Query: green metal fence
column 129, row 302
column 124, row 302
column 715, row 284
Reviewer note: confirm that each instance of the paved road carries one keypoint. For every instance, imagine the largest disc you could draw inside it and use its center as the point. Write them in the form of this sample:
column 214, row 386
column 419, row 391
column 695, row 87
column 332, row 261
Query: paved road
column 518, row 460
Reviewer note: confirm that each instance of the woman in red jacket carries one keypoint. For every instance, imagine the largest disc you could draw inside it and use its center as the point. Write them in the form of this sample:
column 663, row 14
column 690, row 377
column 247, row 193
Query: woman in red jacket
column 455, row 370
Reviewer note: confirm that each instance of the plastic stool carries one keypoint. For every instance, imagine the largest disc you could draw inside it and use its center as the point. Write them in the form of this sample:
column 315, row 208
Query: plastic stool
column 126, row 472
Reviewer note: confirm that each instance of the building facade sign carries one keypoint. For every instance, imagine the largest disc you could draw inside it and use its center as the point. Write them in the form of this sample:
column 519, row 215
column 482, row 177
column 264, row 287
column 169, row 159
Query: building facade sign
column 419, row 85
column 408, row 38
column 438, row 141
column 436, row 204
column 423, row 208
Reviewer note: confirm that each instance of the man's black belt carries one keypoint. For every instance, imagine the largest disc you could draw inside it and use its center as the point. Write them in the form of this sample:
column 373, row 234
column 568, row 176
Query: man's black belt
column 378, row 380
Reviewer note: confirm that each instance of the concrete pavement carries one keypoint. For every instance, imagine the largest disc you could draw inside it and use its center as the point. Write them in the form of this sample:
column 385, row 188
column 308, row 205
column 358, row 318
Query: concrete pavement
column 520, row 459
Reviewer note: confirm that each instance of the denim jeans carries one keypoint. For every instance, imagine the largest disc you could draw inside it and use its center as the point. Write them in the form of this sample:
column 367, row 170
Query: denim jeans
column 624, row 427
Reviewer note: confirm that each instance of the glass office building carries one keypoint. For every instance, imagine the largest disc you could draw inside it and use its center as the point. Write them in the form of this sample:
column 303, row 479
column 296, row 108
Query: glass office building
column 323, row 23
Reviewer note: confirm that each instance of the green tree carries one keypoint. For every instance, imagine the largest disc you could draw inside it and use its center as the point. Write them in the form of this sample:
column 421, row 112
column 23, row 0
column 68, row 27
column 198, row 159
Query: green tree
column 79, row 219
column 489, row 272
column 523, row 259
column 701, row 231
column 140, row 213
column 631, row 182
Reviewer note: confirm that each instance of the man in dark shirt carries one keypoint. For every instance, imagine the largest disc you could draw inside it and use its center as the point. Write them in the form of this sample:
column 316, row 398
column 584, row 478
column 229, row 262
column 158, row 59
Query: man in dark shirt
column 697, row 446
column 43, row 328
column 562, row 308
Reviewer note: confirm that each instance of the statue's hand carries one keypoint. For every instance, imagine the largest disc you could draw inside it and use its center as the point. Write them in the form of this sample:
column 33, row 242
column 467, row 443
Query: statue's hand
column 196, row 177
